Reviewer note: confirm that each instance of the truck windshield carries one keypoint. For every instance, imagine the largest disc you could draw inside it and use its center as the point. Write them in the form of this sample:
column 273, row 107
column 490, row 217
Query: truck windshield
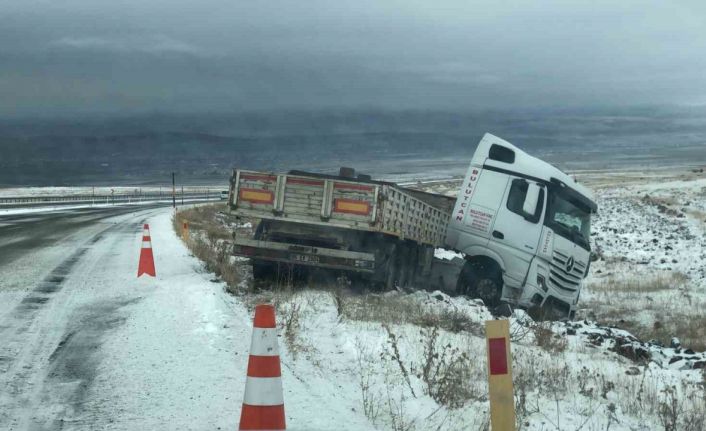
column 569, row 218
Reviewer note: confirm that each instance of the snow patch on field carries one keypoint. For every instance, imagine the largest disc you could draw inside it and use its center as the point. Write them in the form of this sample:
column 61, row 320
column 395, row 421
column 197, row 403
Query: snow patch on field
column 650, row 276
column 401, row 361
column 426, row 375
column 180, row 358
column 442, row 253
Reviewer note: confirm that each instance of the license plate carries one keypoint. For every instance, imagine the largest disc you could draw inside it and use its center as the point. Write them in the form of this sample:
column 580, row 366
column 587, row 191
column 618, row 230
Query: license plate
column 363, row 264
column 304, row 258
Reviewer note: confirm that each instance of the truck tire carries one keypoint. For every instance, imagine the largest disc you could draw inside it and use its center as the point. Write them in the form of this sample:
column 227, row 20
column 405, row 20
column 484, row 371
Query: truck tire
column 263, row 270
column 402, row 267
column 392, row 268
column 413, row 266
column 392, row 273
column 407, row 260
column 480, row 280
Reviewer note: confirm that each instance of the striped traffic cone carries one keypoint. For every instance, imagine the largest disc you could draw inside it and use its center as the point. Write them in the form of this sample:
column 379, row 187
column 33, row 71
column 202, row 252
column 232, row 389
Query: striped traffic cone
column 146, row 265
column 263, row 403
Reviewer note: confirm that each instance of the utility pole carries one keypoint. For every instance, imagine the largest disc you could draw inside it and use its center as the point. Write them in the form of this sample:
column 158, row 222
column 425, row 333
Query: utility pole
column 182, row 195
column 173, row 192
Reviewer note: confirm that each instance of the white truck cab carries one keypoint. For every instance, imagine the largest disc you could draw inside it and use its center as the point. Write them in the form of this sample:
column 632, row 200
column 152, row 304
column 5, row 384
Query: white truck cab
column 524, row 228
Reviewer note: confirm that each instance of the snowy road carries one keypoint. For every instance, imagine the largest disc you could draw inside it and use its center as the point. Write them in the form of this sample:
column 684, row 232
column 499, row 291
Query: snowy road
column 86, row 345
column 31, row 232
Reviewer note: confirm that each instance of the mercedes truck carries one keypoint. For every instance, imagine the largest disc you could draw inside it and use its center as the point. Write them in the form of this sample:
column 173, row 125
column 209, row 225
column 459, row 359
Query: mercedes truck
column 523, row 226
column 520, row 226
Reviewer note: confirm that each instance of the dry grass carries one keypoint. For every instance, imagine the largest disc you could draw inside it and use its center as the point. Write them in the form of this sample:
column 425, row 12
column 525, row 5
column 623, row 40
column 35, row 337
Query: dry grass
column 397, row 309
column 656, row 307
column 697, row 215
column 390, row 309
column 208, row 239
column 203, row 219
column 426, row 360
column 655, row 283
column 660, row 200
column 447, row 371
column 690, row 330
column 548, row 339
column 601, row 396
column 406, row 368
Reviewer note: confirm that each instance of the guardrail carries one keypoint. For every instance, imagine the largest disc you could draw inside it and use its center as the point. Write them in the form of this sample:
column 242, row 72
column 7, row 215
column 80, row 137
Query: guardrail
column 212, row 194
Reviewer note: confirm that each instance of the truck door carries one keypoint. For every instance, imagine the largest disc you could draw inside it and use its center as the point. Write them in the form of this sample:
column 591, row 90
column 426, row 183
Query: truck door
column 518, row 227
column 476, row 206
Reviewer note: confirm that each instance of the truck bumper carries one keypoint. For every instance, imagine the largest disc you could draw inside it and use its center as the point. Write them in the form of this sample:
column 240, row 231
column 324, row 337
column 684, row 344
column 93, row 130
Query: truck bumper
column 545, row 305
column 542, row 298
column 296, row 254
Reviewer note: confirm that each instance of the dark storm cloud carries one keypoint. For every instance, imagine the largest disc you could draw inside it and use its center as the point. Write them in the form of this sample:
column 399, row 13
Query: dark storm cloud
column 91, row 56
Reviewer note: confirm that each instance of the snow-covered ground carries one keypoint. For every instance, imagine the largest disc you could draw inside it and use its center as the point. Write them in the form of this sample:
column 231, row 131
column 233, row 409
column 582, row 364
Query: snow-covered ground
column 650, row 236
column 396, row 363
column 417, row 361
column 86, row 345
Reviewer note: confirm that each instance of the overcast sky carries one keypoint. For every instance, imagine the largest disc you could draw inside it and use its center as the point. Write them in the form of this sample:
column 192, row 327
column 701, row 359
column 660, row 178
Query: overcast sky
column 79, row 56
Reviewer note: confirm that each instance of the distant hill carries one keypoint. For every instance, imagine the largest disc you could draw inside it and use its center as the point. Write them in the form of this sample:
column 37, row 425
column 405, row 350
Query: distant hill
column 204, row 148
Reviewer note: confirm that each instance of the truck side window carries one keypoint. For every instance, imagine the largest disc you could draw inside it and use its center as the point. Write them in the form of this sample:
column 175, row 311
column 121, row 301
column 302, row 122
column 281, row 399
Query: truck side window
column 501, row 154
column 516, row 200
column 516, row 197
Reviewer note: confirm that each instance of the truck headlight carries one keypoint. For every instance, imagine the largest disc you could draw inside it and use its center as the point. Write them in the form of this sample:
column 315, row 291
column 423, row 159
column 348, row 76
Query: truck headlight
column 541, row 282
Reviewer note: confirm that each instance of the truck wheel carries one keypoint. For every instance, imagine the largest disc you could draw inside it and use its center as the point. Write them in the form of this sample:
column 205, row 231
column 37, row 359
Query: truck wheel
column 480, row 281
column 409, row 268
column 402, row 267
column 393, row 269
column 263, row 271
column 391, row 280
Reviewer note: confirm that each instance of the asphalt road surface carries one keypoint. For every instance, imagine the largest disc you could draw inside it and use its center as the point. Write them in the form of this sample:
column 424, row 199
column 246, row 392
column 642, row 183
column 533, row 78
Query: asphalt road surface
column 55, row 309
column 87, row 345
column 27, row 233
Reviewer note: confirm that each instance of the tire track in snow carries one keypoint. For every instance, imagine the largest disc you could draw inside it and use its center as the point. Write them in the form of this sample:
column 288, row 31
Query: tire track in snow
column 26, row 342
column 72, row 366
column 21, row 318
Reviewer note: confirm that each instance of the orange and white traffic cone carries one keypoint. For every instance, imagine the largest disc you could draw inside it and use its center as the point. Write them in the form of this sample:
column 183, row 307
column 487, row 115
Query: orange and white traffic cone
column 263, row 403
column 146, row 265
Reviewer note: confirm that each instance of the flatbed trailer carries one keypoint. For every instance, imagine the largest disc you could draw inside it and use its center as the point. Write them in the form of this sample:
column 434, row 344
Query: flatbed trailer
column 519, row 229
column 376, row 230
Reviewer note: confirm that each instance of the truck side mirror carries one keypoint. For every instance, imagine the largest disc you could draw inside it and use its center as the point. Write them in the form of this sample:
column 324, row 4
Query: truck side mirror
column 531, row 198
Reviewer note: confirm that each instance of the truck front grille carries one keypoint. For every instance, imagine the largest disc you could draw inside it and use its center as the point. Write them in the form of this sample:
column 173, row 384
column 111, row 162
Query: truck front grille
column 560, row 278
